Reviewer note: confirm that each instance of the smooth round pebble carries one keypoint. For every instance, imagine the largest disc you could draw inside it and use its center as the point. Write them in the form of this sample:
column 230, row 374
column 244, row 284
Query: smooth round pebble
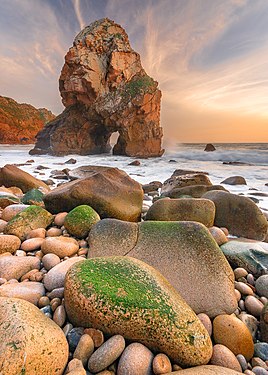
column 240, row 272
column 50, row 260
column 59, row 315
column 136, row 359
column 96, row 335
column 84, row 349
column 56, row 293
column 36, row 233
column 59, row 218
column 74, row 336
column 238, row 295
column 43, row 301
column 32, row 244
column 161, row 364
column 261, row 286
column 243, row 288
column 261, row 350
column 259, row 370
column 242, row 361
column 222, row 356
column 218, row 235
column 230, row 331
column 13, row 209
column 253, row 306
column 61, row 246
column 53, row 232
column 205, row 320
column 67, row 328
column 9, row 243
column 264, row 300
column 248, row 372
column 74, row 364
column 106, row 354
column 250, row 279
column 251, row 322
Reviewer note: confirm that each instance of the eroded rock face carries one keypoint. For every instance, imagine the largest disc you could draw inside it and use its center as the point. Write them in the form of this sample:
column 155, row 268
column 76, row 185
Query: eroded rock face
column 104, row 89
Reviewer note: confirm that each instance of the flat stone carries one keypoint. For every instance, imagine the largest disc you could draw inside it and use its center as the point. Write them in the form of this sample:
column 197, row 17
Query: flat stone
column 13, row 267
column 30, row 342
column 60, row 246
column 54, row 279
column 30, row 291
column 32, row 244
column 136, row 359
column 9, row 243
column 106, row 354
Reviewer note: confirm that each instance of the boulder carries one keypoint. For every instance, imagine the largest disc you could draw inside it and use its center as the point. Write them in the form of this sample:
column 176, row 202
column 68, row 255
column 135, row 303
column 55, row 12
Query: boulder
column 104, row 89
column 139, row 304
column 6, row 199
column 166, row 209
column 181, row 181
column 210, row 147
column 184, row 252
column 109, row 191
column 12, row 267
column 10, row 175
column 9, row 243
column 32, row 217
column 195, row 191
column 250, row 256
column 30, row 291
column 240, row 215
column 152, row 186
column 234, row 180
column 33, row 196
column 31, row 343
column 79, row 221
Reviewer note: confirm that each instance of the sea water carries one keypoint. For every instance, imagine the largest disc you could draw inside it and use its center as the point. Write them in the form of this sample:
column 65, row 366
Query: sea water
column 181, row 156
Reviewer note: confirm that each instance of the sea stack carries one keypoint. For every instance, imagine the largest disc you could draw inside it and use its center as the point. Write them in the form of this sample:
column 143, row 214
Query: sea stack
column 210, row 147
column 105, row 90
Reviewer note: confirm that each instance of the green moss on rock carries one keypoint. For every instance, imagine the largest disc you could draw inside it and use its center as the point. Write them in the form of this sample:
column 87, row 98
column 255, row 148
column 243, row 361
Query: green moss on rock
column 122, row 295
column 34, row 197
column 80, row 220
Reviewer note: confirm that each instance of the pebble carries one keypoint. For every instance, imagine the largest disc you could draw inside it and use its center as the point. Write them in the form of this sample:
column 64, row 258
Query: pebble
column 264, row 300
column 84, row 349
column 67, row 328
column 106, row 354
column 222, row 356
column 96, row 335
column 3, row 224
column 248, row 372
column 32, row 244
column 50, row 260
column 243, row 288
column 251, row 322
column 43, row 301
column 10, row 211
column 261, row 285
column 29, row 291
column 240, row 272
column 241, row 305
column 20, row 253
column 47, row 311
column 261, row 350
column 59, row 315
column 56, row 293
column 9, row 243
column 54, row 303
column 250, row 279
column 74, row 336
column 205, row 320
column 136, row 359
column 13, row 267
column 242, row 361
column 259, row 362
column 53, row 232
column 218, row 235
column 230, row 331
column 238, row 295
column 59, row 218
column 74, row 364
column 61, row 246
column 36, row 233
column 259, row 370
column 253, row 306
column 161, row 364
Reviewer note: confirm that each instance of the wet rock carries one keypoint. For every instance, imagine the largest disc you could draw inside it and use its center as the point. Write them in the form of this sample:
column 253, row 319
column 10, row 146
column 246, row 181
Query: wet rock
column 234, row 180
column 210, row 147
column 181, row 181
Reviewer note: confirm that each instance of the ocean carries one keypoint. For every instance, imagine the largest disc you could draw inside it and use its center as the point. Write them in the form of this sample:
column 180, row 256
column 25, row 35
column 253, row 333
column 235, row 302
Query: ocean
column 180, row 156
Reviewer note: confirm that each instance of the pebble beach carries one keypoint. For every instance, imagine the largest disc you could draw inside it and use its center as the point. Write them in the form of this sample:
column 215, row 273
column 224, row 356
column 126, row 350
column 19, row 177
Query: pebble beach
column 103, row 275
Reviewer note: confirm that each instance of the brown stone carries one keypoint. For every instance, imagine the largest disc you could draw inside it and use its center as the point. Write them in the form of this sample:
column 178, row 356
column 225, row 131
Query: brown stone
column 104, row 89
column 136, row 359
column 222, row 356
column 9, row 243
column 181, row 181
column 29, row 291
column 13, row 267
column 205, row 370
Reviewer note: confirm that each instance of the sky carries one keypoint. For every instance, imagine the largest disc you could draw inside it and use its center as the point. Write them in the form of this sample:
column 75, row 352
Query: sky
column 210, row 58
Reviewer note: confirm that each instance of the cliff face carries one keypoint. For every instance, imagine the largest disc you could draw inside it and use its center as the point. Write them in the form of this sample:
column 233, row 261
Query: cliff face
column 104, row 89
column 19, row 123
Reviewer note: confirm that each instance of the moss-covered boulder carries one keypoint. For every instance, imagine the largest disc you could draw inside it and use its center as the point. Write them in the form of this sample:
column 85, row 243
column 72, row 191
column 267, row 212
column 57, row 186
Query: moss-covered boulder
column 240, row 215
column 31, row 343
column 33, row 196
column 190, row 209
column 32, row 217
column 122, row 295
column 80, row 220
column 184, row 252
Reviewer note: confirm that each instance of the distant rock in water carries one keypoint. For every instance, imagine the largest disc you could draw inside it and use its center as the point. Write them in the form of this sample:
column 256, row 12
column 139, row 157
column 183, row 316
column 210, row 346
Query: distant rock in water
column 210, row 147
column 105, row 90
column 19, row 123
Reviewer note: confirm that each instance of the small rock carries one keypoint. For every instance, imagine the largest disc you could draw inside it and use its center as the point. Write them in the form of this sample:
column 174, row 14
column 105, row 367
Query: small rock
column 242, row 361
column 222, row 356
column 50, row 260
column 37, row 233
column 59, row 218
column 261, row 350
column 43, row 301
column 70, row 161
column 161, row 364
column 13, row 267
column 218, row 235
column 210, row 147
column 259, row 362
column 84, row 349
column 136, row 359
column 53, row 232
column 106, row 354
column 240, row 272
column 234, row 180
column 251, row 322
column 74, row 336
column 3, row 224
column 32, row 244
column 59, row 315
column 206, row 322
column 243, row 288
column 135, row 163
column 96, row 335
column 259, row 370
column 56, row 293
column 9, row 243
column 29, row 291
column 61, row 246
column 253, row 306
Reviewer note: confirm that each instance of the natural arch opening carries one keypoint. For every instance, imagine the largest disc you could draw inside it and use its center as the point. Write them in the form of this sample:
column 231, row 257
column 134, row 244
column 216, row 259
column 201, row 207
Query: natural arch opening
column 114, row 138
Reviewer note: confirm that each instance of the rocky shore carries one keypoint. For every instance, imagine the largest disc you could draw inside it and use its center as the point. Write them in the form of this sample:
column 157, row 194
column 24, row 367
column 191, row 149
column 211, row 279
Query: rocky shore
column 102, row 275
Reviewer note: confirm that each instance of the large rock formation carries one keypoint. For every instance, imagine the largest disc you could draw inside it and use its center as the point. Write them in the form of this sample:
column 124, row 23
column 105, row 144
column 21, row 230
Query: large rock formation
column 19, row 123
column 105, row 90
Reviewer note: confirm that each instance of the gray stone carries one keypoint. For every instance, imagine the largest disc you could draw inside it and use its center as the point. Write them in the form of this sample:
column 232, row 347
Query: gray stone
column 261, row 284
column 261, row 350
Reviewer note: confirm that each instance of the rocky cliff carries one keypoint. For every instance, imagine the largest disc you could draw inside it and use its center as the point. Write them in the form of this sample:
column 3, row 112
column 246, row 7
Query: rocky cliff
column 105, row 90
column 19, row 123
